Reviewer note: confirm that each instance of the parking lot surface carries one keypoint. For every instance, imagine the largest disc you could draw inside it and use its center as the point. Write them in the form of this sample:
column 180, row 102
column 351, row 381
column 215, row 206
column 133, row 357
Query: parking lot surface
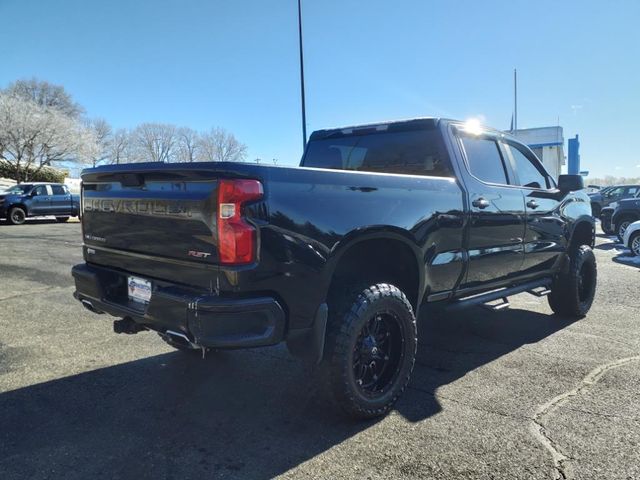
column 512, row 394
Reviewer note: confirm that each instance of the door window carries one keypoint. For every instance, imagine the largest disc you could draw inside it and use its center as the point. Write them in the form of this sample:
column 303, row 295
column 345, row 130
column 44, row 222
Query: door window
column 484, row 159
column 615, row 192
column 40, row 190
column 631, row 191
column 529, row 173
column 58, row 190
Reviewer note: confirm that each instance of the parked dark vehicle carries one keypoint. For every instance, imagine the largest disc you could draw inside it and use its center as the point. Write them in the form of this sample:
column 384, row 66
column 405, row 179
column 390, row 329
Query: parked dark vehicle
column 616, row 219
column 335, row 258
column 608, row 195
column 38, row 199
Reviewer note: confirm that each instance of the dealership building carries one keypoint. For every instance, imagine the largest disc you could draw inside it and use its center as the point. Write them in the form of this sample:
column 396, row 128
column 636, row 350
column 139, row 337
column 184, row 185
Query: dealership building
column 548, row 145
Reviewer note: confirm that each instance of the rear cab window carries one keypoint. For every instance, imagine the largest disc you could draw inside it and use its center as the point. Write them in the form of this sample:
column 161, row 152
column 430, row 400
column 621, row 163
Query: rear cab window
column 410, row 152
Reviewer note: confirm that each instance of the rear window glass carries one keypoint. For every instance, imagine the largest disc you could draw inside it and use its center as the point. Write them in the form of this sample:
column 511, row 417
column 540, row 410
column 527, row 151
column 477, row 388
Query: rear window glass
column 415, row 152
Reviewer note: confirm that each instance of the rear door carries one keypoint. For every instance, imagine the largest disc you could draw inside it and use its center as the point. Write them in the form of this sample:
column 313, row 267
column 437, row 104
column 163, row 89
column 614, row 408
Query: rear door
column 497, row 214
column 60, row 200
column 544, row 239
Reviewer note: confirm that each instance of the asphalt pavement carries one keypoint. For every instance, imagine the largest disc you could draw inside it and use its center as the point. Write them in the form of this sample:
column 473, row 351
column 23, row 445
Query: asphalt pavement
column 519, row 393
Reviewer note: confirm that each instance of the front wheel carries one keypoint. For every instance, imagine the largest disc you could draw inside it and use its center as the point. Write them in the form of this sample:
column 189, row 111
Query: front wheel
column 621, row 228
column 370, row 350
column 606, row 227
column 572, row 292
column 17, row 216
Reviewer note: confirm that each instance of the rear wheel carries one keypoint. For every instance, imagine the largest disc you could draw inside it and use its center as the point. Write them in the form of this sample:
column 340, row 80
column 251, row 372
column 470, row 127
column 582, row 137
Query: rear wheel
column 634, row 244
column 370, row 350
column 62, row 219
column 572, row 292
column 17, row 216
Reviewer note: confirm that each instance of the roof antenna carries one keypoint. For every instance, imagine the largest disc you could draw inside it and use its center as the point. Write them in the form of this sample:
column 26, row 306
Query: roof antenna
column 304, row 115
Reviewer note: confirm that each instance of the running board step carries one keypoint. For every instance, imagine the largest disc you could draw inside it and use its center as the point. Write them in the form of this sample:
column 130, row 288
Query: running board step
column 539, row 288
column 540, row 292
column 496, row 307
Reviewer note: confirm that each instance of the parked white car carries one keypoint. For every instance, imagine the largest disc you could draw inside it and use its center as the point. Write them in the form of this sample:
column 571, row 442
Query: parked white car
column 631, row 238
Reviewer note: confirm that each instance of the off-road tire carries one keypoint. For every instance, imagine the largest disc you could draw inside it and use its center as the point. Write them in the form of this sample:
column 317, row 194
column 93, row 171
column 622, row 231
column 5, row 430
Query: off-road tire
column 16, row 216
column 62, row 219
column 572, row 292
column 348, row 322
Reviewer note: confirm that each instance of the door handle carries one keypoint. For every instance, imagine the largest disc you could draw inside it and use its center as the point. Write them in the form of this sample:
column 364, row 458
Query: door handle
column 480, row 203
column 532, row 204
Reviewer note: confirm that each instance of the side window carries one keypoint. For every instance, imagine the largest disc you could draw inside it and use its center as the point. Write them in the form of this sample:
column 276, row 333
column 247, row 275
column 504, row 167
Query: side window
column 40, row 190
column 616, row 192
column 528, row 172
column 58, row 190
column 631, row 191
column 484, row 159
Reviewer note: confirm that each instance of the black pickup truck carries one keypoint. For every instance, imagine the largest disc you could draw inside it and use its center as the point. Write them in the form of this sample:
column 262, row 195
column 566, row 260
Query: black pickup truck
column 337, row 256
column 38, row 199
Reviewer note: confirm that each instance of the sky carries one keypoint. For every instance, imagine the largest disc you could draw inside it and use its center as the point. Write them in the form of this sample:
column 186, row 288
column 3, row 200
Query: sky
column 234, row 64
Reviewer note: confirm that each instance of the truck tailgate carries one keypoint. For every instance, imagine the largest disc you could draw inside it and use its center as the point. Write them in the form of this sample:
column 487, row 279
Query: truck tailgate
column 162, row 216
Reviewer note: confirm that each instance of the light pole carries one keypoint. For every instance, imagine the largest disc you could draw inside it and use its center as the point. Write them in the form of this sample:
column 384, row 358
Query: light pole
column 304, row 114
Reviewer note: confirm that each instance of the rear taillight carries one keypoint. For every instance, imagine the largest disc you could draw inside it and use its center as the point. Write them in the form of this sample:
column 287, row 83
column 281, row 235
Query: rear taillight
column 236, row 237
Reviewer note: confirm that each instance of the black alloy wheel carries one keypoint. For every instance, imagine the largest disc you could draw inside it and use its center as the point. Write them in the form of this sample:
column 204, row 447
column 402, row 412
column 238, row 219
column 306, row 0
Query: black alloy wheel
column 370, row 349
column 378, row 353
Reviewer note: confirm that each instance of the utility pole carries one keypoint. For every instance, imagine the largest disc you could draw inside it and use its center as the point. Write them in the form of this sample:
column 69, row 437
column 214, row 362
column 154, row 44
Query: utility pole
column 515, row 100
column 304, row 115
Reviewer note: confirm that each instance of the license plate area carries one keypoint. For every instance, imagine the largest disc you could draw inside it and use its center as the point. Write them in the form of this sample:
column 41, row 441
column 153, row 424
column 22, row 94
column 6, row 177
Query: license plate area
column 139, row 290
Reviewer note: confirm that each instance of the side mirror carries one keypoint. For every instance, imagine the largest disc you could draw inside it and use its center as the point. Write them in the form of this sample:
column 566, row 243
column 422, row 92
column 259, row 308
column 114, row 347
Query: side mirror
column 570, row 183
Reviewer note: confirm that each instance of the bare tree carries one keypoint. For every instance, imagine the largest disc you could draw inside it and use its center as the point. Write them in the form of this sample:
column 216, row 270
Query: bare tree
column 103, row 136
column 33, row 136
column 46, row 95
column 119, row 151
column 155, row 142
column 218, row 145
column 188, row 145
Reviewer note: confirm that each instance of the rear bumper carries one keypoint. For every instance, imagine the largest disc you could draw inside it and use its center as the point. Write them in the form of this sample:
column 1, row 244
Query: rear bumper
column 206, row 319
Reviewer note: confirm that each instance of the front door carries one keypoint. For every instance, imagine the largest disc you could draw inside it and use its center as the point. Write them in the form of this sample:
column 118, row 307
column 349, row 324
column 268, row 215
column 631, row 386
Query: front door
column 544, row 240
column 40, row 200
column 497, row 214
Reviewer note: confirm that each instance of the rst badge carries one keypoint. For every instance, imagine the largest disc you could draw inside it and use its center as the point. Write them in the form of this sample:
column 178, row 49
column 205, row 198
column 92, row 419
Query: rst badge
column 193, row 253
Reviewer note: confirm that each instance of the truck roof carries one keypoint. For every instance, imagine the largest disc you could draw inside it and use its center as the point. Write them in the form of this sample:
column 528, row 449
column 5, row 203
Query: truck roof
column 398, row 125
column 391, row 125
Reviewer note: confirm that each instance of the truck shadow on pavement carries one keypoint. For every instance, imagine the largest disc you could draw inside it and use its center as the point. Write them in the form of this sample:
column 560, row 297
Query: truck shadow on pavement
column 244, row 414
